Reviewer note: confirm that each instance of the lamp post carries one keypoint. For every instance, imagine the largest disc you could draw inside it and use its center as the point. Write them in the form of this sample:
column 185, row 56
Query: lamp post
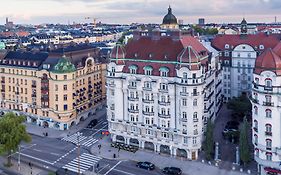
column 78, row 150
column 19, row 160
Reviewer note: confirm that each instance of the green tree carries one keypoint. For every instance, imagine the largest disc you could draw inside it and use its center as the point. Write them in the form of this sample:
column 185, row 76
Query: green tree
column 241, row 105
column 209, row 140
column 12, row 133
column 244, row 146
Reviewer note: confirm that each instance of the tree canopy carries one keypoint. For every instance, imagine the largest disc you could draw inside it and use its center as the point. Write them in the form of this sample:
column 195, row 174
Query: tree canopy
column 209, row 141
column 240, row 104
column 244, row 146
column 12, row 133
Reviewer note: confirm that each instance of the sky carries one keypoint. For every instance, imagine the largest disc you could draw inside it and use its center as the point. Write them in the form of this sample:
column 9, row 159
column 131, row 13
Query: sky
column 141, row 11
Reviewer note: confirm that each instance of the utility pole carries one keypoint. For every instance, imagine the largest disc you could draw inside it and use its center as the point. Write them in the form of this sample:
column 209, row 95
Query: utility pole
column 78, row 151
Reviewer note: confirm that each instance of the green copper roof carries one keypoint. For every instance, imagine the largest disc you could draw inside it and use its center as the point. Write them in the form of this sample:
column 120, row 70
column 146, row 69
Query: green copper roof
column 64, row 66
column 2, row 46
column 164, row 69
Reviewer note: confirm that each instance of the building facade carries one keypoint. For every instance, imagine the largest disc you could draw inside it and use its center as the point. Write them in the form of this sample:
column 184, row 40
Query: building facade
column 238, row 54
column 161, row 89
column 266, row 102
column 56, row 92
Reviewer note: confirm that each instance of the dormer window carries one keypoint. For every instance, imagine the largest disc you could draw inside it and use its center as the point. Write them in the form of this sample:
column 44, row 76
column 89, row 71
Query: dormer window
column 34, row 64
column 150, row 55
column 165, row 57
column 268, row 83
column 133, row 69
column 261, row 47
column 23, row 63
column 164, row 71
column 136, row 55
column 226, row 54
column 226, row 46
column 148, row 70
column 184, row 75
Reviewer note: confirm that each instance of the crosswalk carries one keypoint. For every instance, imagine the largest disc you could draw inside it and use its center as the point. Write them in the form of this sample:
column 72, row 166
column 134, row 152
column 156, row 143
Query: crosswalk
column 84, row 141
column 74, row 138
column 86, row 161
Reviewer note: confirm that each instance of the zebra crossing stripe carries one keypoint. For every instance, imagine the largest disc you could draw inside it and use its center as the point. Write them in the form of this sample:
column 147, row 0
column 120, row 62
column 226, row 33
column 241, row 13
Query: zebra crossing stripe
column 90, row 142
column 74, row 169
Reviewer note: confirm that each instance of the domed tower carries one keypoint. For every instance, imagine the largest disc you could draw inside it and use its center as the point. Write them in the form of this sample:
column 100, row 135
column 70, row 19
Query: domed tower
column 266, row 111
column 170, row 21
column 244, row 29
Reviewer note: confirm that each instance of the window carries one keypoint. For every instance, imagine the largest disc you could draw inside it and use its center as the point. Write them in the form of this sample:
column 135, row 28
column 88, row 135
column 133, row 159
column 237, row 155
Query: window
column 256, row 110
column 65, row 87
column 57, row 97
column 65, row 107
column 133, row 84
column 184, row 75
column 268, row 144
column 195, row 117
column 184, row 115
column 184, row 102
column 268, row 83
column 148, row 70
column 268, row 156
column 261, row 47
column 226, row 54
column 133, row 69
column 185, row 140
column 149, row 132
column 163, row 86
column 268, row 128
column 164, row 71
column 256, row 125
column 226, row 46
column 256, row 139
column 165, row 135
column 268, row 113
column 65, row 77
column 195, row 102
column 194, row 140
column 56, row 88
column 184, row 89
column 257, row 152
column 147, row 85
column 65, row 97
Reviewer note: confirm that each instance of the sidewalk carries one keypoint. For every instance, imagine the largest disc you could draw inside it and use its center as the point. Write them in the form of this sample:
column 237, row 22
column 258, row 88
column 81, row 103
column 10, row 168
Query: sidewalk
column 53, row 133
column 161, row 161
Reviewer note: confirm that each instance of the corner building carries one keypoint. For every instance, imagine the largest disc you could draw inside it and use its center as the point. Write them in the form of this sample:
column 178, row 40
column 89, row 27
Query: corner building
column 56, row 92
column 266, row 102
column 161, row 89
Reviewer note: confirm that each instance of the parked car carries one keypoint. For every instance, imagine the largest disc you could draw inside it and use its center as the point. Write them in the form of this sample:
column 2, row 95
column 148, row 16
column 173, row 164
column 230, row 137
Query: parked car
column 231, row 126
column 146, row 165
column 172, row 171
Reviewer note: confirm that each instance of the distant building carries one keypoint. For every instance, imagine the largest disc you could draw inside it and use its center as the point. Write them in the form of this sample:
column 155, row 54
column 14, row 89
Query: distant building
column 201, row 21
column 9, row 24
column 180, row 22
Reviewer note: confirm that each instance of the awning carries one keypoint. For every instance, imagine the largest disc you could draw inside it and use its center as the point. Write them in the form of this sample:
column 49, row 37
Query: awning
column 272, row 170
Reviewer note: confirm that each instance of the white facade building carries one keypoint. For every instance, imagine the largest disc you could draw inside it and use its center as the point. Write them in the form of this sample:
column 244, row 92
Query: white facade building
column 266, row 102
column 161, row 89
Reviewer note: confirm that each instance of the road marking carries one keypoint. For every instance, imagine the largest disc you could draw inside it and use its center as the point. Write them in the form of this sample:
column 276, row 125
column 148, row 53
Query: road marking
column 41, row 160
column 55, row 154
column 66, row 154
column 99, row 130
column 25, row 148
column 121, row 171
column 113, row 167
column 38, row 150
column 103, row 168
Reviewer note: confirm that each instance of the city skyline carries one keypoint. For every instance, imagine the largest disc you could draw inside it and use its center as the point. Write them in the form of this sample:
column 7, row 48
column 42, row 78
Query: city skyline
column 142, row 11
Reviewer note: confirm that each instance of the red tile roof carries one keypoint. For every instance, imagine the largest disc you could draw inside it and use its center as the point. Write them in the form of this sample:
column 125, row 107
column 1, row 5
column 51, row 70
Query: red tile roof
column 268, row 60
column 118, row 53
column 254, row 40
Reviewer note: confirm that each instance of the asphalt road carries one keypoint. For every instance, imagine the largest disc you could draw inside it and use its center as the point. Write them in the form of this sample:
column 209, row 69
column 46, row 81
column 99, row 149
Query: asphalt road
column 53, row 154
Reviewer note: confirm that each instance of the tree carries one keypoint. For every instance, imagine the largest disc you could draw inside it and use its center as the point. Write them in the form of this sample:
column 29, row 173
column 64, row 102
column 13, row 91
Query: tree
column 241, row 105
column 244, row 146
column 12, row 133
column 209, row 140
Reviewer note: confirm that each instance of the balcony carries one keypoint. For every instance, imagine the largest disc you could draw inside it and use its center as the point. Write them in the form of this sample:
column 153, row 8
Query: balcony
column 33, row 85
column 17, row 93
column 254, row 100
column 149, row 101
column 148, row 113
column 195, row 120
column 134, row 111
column 183, row 119
column 3, row 82
column 183, row 93
column 268, row 88
column 268, row 133
column 133, row 98
column 164, row 103
column 163, row 90
column 195, row 93
column 132, row 87
column 147, row 88
column 164, row 115
column 268, row 103
column 33, row 95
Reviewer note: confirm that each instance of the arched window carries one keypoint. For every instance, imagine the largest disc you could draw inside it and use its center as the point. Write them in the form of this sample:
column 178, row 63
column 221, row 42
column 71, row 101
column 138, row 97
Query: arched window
column 268, row 156
column 133, row 69
column 164, row 71
column 256, row 110
column 268, row 84
column 268, row 129
column 184, row 75
column 148, row 70
column 268, row 113
column 256, row 139
column 256, row 125
column 257, row 151
column 257, row 81
column 268, row 144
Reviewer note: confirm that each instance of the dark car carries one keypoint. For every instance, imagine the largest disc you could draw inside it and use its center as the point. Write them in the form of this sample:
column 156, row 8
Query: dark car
column 146, row 165
column 172, row 171
column 93, row 123
column 231, row 126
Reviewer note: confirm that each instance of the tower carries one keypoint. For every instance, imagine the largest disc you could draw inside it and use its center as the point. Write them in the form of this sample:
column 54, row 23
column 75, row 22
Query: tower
column 244, row 29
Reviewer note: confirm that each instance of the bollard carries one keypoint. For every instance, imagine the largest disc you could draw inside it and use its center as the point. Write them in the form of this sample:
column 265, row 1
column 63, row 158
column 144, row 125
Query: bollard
column 249, row 171
column 203, row 161
column 209, row 163
column 233, row 168
column 241, row 170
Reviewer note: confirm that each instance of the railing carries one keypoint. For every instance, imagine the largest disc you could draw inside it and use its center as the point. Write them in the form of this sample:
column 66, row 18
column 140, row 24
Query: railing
column 268, row 133
column 184, row 119
column 268, row 88
column 195, row 120
column 183, row 93
column 195, row 93
column 133, row 98
column 164, row 103
column 133, row 110
column 33, row 85
column 163, row 90
column 164, row 115
column 148, row 113
column 148, row 101
column 147, row 88
column 268, row 103
column 132, row 87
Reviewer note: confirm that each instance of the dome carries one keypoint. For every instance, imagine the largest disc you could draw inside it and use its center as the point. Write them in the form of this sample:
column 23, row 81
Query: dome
column 170, row 18
column 118, row 54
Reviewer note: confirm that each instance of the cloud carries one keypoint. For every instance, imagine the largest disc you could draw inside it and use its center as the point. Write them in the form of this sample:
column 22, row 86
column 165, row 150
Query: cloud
column 128, row 11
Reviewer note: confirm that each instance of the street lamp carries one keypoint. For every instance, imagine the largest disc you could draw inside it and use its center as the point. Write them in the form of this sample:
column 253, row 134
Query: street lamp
column 78, row 150
column 19, row 160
